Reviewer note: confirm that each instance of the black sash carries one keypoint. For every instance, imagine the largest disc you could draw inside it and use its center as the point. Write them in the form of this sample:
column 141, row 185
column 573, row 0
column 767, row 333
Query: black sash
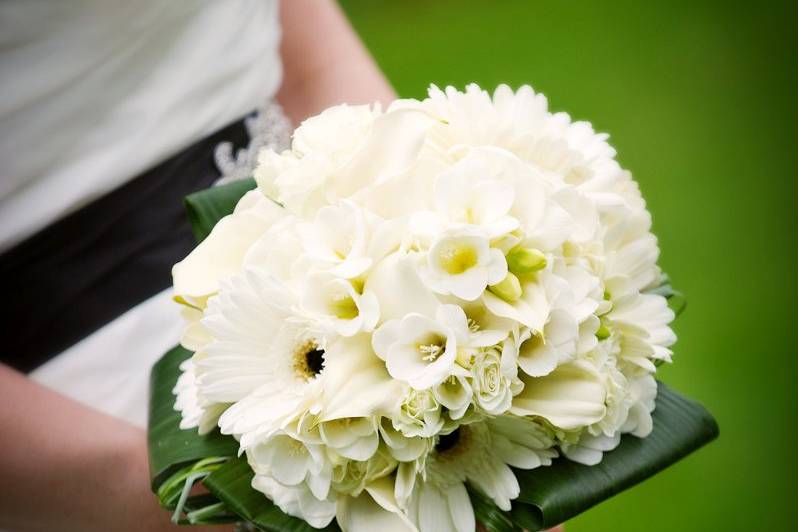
column 83, row 271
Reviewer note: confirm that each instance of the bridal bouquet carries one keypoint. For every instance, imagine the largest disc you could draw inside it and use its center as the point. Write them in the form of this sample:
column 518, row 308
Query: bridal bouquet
column 420, row 318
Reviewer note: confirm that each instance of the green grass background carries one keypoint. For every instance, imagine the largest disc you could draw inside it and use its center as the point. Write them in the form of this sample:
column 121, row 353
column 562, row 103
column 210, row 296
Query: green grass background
column 699, row 99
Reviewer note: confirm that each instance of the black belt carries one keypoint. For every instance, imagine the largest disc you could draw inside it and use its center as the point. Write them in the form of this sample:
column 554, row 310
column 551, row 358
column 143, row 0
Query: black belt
column 83, row 271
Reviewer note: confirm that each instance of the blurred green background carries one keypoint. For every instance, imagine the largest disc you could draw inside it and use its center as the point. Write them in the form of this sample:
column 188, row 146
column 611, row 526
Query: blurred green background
column 700, row 101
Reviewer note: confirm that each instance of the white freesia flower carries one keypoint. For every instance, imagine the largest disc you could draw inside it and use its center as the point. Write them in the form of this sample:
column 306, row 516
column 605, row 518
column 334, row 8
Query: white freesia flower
column 337, row 303
column 530, row 308
column 414, row 302
column 455, row 395
column 462, row 263
column 420, row 350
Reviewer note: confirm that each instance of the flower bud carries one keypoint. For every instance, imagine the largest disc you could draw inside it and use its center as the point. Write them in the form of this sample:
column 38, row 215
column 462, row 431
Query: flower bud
column 603, row 332
column 525, row 260
column 509, row 288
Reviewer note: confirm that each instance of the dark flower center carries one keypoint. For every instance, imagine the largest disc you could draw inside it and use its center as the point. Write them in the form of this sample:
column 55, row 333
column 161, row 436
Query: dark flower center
column 448, row 441
column 315, row 360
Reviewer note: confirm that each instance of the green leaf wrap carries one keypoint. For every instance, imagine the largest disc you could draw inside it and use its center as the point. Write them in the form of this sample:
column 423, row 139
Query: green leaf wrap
column 208, row 206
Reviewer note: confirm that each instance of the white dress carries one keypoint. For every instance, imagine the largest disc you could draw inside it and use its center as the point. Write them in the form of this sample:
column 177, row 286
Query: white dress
column 94, row 92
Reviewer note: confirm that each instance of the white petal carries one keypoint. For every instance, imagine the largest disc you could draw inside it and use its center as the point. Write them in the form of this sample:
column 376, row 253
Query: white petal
column 399, row 289
column 433, row 511
column 460, row 510
column 570, row 397
column 219, row 256
column 363, row 514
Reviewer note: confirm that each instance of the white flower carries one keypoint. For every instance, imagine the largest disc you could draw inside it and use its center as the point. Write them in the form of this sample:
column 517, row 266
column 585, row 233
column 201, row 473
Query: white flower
column 480, row 454
column 420, row 350
column 336, row 303
column 253, row 341
column 642, row 394
column 571, row 397
column 642, row 323
column 351, row 477
column 419, row 415
column 353, row 438
column 321, row 144
column 399, row 289
column 469, row 194
column 590, row 449
column 494, row 373
column 338, row 238
column 222, row 252
column 445, row 291
column 297, row 501
column 375, row 508
column 455, row 394
column 409, row 448
column 187, row 402
column 530, row 308
column 462, row 263
column 291, row 462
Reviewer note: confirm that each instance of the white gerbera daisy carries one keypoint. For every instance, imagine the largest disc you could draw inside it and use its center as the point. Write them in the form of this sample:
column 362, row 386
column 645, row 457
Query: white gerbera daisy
column 479, row 454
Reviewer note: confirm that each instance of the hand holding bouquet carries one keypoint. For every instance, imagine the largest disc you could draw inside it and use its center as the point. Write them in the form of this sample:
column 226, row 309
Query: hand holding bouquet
column 412, row 317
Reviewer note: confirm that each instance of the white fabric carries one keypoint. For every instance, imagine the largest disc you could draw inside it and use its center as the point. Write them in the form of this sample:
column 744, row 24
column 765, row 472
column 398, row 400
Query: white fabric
column 93, row 93
column 96, row 91
column 110, row 369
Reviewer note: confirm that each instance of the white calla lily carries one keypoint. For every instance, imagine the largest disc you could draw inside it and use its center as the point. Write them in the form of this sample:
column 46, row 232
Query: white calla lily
column 222, row 253
column 571, row 397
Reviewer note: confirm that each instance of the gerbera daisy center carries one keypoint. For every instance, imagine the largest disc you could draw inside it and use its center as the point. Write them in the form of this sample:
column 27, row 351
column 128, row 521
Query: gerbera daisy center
column 308, row 360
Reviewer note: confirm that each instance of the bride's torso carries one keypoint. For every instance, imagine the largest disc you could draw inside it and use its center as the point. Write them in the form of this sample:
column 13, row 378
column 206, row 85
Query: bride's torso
column 96, row 91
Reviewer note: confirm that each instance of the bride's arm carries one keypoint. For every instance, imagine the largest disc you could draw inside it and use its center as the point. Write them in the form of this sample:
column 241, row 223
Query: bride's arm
column 324, row 62
column 68, row 467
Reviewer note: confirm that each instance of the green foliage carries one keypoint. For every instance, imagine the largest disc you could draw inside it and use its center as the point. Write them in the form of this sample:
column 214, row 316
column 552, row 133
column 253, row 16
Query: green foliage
column 208, row 206
column 566, row 489
column 171, row 448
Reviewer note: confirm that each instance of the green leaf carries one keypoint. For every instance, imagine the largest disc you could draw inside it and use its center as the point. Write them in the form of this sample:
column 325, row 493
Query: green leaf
column 232, row 484
column 489, row 515
column 170, row 448
column 208, row 206
column 552, row 495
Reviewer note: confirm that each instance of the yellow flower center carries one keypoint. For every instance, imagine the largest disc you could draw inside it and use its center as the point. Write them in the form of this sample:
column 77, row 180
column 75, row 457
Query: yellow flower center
column 343, row 307
column 457, row 258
